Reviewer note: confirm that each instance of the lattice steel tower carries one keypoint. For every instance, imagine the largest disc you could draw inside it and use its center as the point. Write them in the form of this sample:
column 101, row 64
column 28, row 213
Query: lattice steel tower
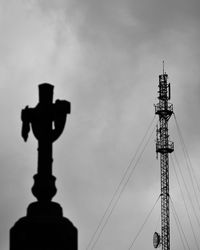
column 164, row 110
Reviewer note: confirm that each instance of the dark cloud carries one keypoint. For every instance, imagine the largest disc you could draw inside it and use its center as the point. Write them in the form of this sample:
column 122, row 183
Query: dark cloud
column 105, row 57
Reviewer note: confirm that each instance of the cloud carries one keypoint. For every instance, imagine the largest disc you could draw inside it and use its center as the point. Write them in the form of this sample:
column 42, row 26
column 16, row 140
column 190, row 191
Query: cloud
column 104, row 57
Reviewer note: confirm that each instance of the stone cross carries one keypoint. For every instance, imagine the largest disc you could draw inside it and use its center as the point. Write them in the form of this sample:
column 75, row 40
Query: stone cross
column 44, row 226
column 47, row 121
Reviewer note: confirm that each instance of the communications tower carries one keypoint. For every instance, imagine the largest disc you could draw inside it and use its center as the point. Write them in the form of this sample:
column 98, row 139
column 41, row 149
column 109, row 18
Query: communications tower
column 164, row 147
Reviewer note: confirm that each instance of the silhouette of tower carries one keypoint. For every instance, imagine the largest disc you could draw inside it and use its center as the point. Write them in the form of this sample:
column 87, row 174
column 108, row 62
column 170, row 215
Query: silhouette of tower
column 164, row 110
column 44, row 227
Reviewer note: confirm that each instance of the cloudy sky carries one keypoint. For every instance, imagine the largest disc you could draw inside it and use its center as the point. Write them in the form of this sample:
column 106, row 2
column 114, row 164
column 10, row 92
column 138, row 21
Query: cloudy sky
column 104, row 57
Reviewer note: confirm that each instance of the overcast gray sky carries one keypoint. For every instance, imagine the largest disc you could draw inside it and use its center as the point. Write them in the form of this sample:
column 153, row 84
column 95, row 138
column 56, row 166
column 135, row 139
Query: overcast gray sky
column 104, row 57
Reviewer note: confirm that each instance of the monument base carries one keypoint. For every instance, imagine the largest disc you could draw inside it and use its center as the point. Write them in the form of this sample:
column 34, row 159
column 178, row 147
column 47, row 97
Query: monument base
column 44, row 228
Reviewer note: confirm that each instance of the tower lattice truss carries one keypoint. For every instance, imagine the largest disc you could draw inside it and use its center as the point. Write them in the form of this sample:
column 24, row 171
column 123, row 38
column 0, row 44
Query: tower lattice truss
column 164, row 146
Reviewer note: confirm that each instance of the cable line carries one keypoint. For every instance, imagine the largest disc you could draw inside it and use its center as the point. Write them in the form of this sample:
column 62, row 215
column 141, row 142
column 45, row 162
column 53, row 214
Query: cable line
column 120, row 192
column 185, row 204
column 188, row 162
column 186, row 188
column 112, row 204
column 145, row 221
column 179, row 227
column 189, row 217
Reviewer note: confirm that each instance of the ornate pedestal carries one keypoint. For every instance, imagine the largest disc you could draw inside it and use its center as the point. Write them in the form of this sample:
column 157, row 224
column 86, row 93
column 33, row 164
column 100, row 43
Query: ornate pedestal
column 44, row 228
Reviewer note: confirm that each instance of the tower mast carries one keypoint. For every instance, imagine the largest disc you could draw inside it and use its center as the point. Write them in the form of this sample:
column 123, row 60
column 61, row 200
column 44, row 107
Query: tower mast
column 164, row 110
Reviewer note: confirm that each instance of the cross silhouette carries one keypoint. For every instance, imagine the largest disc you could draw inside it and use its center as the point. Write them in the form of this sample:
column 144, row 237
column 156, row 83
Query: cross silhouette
column 47, row 121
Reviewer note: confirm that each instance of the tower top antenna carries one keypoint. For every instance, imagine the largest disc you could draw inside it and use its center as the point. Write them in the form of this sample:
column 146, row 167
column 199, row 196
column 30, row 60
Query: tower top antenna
column 163, row 67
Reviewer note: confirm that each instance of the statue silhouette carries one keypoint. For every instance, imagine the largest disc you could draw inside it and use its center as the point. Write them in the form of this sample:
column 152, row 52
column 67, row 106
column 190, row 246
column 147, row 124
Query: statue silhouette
column 44, row 227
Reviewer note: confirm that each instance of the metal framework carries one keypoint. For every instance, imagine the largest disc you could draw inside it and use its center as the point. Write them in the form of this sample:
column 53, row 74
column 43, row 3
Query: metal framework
column 164, row 110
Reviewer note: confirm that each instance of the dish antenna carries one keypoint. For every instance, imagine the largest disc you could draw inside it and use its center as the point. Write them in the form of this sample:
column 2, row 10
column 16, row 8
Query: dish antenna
column 156, row 240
